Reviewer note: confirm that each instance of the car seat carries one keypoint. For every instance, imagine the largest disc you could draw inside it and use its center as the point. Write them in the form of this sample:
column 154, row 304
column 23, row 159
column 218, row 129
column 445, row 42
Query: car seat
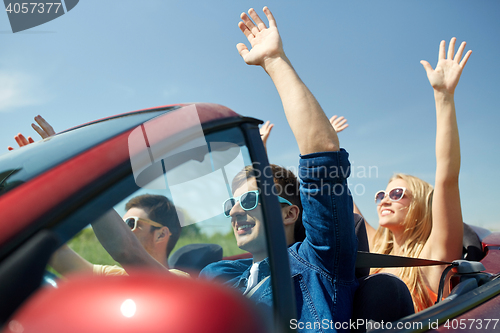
column 379, row 296
column 192, row 258
column 472, row 247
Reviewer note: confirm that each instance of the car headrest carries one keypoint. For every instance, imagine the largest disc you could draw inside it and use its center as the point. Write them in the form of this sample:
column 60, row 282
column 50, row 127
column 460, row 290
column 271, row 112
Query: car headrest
column 472, row 247
column 192, row 258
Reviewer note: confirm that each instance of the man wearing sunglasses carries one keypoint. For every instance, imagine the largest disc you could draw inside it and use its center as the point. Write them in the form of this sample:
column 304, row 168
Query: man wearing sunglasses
column 322, row 264
column 153, row 221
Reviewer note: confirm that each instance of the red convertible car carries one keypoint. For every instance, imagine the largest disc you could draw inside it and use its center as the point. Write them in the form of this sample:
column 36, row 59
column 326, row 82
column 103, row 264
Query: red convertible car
column 51, row 190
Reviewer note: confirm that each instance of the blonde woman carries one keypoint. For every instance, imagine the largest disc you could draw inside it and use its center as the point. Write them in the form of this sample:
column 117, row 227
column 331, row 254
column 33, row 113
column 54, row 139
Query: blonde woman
column 416, row 220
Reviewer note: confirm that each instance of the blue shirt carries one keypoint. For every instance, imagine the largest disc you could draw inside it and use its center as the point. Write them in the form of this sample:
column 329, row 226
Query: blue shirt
column 322, row 266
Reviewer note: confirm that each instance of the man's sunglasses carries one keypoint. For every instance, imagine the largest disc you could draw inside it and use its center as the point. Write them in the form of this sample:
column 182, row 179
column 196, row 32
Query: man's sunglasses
column 132, row 222
column 248, row 201
column 395, row 194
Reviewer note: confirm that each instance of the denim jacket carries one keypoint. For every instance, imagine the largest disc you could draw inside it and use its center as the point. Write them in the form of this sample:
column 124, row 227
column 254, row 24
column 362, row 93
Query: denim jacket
column 322, row 266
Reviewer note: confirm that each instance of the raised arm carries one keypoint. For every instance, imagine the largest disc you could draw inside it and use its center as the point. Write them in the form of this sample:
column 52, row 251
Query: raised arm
column 300, row 106
column 445, row 240
column 119, row 241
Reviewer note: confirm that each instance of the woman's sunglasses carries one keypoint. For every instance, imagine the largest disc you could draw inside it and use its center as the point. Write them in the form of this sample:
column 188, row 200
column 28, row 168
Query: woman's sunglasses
column 132, row 222
column 395, row 195
column 248, row 201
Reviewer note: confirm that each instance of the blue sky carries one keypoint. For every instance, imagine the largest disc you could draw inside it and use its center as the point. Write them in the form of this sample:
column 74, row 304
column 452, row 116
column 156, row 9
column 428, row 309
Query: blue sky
column 359, row 58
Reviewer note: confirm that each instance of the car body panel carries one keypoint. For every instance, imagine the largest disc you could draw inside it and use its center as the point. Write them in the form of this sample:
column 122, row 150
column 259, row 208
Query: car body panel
column 142, row 302
column 491, row 245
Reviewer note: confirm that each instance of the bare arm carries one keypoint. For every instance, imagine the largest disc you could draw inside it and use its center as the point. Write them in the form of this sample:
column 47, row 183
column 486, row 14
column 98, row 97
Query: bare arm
column 445, row 240
column 66, row 261
column 370, row 231
column 119, row 241
column 116, row 237
column 300, row 106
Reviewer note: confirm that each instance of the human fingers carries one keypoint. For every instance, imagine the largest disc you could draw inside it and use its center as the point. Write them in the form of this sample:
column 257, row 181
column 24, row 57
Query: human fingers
column 260, row 24
column 466, row 57
column 248, row 34
column 459, row 53
column 451, row 48
column 266, row 124
column 341, row 128
column 45, row 125
column 340, row 122
column 270, row 127
column 39, row 131
column 249, row 23
column 270, row 17
column 427, row 66
column 242, row 49
column 265, row 131
column 335, row 120
column 21, row 140
column 442, row 52
column 30, row 139
column 266, row 128
column 10, row 148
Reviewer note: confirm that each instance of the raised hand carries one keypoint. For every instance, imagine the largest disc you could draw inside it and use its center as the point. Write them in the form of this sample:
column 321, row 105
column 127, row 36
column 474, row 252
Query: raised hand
column 265, row 130
column 22, row 141
column 265, row 41
column 45, row 130
column 339, row 124
column 299, row 104
column 449, row 67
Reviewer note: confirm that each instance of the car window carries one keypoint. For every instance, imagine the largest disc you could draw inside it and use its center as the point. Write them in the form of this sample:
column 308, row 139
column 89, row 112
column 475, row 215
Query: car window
column 194, row 173
column 197, row 183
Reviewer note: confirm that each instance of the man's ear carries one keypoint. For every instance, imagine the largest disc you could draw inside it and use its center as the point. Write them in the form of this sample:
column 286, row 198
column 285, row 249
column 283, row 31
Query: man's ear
column 290, row 214
column 162, row 234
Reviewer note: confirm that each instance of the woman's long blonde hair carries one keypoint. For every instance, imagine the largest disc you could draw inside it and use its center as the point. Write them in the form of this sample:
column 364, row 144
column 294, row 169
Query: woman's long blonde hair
column 418, row 225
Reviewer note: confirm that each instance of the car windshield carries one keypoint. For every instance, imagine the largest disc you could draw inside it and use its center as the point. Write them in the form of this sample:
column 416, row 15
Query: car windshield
column 196, row 177
column 184, row 181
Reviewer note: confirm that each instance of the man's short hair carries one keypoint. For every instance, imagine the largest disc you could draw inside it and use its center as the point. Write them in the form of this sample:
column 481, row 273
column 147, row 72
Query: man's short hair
column 159, row 209
column 286, row 185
